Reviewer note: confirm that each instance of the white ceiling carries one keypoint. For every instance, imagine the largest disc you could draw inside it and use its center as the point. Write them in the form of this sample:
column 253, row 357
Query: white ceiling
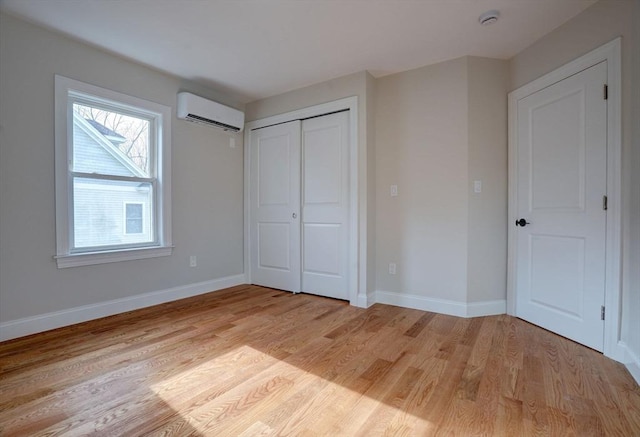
column 259, row 48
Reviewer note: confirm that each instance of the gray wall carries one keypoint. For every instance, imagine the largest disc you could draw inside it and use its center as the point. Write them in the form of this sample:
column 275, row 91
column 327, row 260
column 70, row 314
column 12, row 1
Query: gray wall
column 487, row 117
column 207, row 181
column 438, row 129
column 594, row 27
column 421, row 146
column 371, row 184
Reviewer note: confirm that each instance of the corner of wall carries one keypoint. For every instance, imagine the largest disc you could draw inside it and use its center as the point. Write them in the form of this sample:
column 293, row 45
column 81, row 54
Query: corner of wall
column 487, row 85
column 631, row 361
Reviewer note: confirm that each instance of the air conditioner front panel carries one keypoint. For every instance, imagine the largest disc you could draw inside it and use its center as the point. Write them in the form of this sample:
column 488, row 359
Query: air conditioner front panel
column 204, row 111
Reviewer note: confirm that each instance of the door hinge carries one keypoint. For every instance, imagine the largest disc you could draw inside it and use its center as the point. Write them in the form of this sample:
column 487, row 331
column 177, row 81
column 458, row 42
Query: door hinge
column 602, row 312
column 605, row 202
column 606, row 91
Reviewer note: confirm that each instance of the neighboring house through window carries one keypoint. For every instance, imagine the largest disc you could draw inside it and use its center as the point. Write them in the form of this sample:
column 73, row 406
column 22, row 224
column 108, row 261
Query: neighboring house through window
column 112, row 150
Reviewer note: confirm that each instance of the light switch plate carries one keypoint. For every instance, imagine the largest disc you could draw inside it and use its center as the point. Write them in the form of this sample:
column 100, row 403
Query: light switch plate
column 394, row 190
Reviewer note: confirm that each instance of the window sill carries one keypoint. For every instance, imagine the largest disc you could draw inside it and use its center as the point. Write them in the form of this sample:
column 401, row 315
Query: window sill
column 85, row 259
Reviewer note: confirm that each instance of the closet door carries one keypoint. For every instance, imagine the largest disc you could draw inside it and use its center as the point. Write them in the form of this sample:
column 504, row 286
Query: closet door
column 325, row 205
column 275, row 206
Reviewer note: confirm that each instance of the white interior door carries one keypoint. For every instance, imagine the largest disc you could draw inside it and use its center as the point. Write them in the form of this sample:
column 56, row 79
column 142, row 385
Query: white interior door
column 275, row 206
column 325, row 205
column 561, row 180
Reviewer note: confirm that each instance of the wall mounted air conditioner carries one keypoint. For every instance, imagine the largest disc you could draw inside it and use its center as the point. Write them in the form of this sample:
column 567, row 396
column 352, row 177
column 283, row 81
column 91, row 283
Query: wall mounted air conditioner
column 200, row 110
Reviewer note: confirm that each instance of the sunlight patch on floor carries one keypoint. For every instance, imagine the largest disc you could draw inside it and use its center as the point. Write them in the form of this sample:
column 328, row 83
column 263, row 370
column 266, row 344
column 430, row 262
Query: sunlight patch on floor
column 219, row 369
column 280, row 396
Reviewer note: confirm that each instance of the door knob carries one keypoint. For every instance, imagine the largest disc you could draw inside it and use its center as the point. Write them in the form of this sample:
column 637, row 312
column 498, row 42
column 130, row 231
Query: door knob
column 522, row 222
column 294, row 215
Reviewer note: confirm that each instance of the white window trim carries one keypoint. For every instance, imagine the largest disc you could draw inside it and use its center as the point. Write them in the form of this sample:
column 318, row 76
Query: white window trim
column 64, row 215
column 124, row 216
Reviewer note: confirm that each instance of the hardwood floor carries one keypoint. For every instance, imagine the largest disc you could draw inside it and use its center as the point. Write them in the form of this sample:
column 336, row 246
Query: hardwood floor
column 251, row 361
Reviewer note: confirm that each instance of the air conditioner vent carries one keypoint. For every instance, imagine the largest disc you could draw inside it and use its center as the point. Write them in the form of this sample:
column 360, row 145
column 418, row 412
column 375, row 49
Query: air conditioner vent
column 197, row 119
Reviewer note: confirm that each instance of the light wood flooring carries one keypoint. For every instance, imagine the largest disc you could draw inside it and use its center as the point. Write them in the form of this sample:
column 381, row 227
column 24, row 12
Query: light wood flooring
column 251, row 361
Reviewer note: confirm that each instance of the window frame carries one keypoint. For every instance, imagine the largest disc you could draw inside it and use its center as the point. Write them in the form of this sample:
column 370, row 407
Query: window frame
column 68, row 91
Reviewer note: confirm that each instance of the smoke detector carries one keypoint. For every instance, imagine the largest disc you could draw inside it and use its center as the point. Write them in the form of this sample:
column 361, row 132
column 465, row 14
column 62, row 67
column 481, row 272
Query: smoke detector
column 489, row 17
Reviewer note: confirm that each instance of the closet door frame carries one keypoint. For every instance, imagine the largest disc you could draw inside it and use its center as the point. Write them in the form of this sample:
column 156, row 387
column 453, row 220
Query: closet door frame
column 357, row 264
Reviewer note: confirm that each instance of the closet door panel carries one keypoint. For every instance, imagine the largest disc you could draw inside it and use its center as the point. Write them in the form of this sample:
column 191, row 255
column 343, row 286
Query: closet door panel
column 325, row 205
column 275, row 206
column 322, row 166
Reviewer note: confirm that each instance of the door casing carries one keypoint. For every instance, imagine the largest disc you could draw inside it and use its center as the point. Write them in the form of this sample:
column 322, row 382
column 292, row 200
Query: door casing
column 609, row 52
column 357, row 246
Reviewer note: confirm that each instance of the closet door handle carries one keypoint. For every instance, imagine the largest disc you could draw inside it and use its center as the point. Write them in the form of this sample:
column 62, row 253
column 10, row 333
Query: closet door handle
column 294, row 215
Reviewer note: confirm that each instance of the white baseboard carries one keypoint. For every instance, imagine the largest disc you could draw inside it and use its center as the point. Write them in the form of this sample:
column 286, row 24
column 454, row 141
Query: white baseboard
column 365, row 300
column 486, row 308
column 634, row 369
column 632, row 362
column 44, row 322
column 443, row 306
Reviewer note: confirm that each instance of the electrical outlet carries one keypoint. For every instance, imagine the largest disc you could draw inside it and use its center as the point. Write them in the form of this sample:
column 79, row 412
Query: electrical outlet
column 193, row 261
column 392, row 268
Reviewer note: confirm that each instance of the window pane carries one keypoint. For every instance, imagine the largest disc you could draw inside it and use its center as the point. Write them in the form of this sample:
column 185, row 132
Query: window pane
column 108, row 142
column 102, row 211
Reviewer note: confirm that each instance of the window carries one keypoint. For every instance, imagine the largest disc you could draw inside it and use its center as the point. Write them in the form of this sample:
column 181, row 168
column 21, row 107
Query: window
column 112, row 176
column 133, row 218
